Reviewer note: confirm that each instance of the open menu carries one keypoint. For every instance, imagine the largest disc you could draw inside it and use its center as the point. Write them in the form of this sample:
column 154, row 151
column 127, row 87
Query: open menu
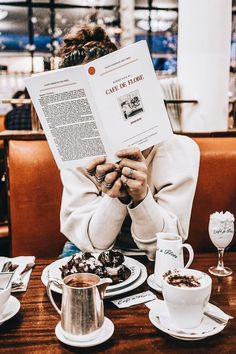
column 98, row 108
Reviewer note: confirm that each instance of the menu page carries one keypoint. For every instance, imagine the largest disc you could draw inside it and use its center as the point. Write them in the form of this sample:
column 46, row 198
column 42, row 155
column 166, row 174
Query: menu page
column 95, row 109
column 64, row 104
column 129, row 99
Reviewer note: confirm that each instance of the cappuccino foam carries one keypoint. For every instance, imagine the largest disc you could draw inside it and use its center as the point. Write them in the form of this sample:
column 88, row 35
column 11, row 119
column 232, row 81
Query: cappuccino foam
column 182, row 280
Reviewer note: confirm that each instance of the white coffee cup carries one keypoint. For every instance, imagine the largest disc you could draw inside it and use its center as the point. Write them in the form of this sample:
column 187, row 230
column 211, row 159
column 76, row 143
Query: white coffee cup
column 186, row 305
column 4, row 297
column 169, row 254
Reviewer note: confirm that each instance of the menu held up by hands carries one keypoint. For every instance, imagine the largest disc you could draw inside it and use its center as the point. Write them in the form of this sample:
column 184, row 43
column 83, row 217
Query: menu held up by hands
column 111, row 103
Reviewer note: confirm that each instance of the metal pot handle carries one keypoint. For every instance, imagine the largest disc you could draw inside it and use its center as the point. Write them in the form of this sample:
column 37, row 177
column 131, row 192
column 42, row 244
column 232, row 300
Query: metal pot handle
column 102, row 285
column 49, row 292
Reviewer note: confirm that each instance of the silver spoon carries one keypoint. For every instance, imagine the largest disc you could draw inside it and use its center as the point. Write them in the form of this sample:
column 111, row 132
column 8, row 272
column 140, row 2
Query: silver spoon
column 217, row 319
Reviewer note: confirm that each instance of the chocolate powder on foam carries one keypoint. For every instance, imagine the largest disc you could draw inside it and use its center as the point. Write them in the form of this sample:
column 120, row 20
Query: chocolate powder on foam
column 187, row 281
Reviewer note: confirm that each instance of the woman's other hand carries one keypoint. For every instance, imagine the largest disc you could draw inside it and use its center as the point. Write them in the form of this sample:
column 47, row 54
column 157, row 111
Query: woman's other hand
column 108, row 176
column 134, row 173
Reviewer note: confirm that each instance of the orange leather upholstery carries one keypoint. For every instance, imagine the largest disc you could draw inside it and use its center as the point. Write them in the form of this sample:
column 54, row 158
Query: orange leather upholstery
column 216, row 188
column 35, row 195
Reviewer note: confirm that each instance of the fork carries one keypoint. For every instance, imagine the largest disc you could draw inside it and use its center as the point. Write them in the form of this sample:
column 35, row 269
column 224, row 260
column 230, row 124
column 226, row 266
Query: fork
column 19, row 281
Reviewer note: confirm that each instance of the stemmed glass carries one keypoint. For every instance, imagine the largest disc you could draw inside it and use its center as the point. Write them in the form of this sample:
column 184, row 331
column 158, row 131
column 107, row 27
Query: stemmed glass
column 221, row 232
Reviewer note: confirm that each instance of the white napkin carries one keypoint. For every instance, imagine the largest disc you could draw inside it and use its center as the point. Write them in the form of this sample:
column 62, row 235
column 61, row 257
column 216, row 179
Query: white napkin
column 5, row 279
column 160, row 309
column 21, row 261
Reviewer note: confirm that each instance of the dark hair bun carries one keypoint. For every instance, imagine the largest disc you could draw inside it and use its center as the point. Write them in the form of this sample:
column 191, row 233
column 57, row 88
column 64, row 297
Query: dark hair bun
column 98, row 34
column 86, row 44
column 85, row 35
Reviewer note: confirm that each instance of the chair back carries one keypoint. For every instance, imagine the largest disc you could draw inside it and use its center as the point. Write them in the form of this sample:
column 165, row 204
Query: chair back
column 216, row 188
column 34, row 201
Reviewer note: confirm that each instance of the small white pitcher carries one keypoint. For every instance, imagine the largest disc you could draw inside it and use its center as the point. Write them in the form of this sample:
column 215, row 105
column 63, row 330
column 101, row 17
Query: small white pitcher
column 169, row 254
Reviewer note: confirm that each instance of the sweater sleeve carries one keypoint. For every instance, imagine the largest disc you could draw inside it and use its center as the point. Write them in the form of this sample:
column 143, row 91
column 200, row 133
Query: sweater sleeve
column 88, row 219
column 174, row 175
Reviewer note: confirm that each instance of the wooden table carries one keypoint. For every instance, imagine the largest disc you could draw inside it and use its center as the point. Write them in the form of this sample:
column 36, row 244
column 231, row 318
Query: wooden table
column 32, row 329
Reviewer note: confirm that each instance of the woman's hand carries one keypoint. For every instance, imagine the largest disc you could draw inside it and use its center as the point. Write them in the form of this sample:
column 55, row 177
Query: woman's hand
column 107, row 176
column 134, row 173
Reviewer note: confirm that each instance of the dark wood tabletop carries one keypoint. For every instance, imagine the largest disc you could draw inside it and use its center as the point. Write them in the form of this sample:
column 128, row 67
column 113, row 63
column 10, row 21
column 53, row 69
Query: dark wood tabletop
column 32, row 330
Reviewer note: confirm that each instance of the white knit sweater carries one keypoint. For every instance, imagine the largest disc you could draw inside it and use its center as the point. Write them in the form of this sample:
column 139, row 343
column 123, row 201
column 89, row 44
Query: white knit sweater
column 92, row 221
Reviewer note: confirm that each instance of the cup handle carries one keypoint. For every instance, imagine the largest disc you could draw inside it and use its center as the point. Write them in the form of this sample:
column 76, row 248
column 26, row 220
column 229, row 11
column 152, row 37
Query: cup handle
column 191, row 253
column 49, row 292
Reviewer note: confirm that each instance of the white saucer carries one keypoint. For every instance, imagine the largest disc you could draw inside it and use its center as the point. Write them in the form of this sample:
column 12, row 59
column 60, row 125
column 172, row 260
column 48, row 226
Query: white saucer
column 216, row 328
column 151, row 280
column 11, row 308
column 105, row 333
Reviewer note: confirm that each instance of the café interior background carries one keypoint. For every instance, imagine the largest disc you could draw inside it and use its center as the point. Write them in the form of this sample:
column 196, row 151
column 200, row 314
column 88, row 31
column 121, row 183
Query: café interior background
column 32, row 30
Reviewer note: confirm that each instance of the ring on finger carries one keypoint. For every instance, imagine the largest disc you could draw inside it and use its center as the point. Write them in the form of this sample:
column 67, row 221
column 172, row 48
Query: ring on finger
column 107, row 185
column 99, row 179
column 131, row 171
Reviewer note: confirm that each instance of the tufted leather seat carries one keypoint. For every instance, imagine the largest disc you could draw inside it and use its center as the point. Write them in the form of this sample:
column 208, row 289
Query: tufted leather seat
column 35, row 194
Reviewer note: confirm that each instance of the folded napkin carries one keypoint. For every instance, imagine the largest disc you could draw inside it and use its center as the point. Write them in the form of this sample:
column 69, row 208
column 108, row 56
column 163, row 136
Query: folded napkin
column 21, row 261
column 159, row 308
column 5, row 279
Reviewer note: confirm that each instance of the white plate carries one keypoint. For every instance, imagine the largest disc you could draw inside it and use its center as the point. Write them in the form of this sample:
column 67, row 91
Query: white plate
column 216, row 328
column 141, row 279
column 54, row 271
column 151, row 280
column 11, row 308
column 103, row 335
column 135, row 273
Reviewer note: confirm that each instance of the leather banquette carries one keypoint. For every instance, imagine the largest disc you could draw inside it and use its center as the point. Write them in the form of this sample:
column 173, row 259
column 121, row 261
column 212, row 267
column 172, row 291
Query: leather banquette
column 35, row 194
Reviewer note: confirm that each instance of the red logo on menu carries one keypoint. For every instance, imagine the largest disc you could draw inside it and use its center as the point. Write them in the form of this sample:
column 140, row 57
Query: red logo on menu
column 91, row 70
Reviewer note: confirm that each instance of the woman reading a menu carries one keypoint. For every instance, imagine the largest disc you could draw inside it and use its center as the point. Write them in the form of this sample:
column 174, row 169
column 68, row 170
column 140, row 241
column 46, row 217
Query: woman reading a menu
column 123, row 205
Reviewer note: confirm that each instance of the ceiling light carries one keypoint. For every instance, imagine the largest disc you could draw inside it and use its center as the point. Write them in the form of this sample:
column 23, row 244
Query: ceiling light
column 155, row 25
